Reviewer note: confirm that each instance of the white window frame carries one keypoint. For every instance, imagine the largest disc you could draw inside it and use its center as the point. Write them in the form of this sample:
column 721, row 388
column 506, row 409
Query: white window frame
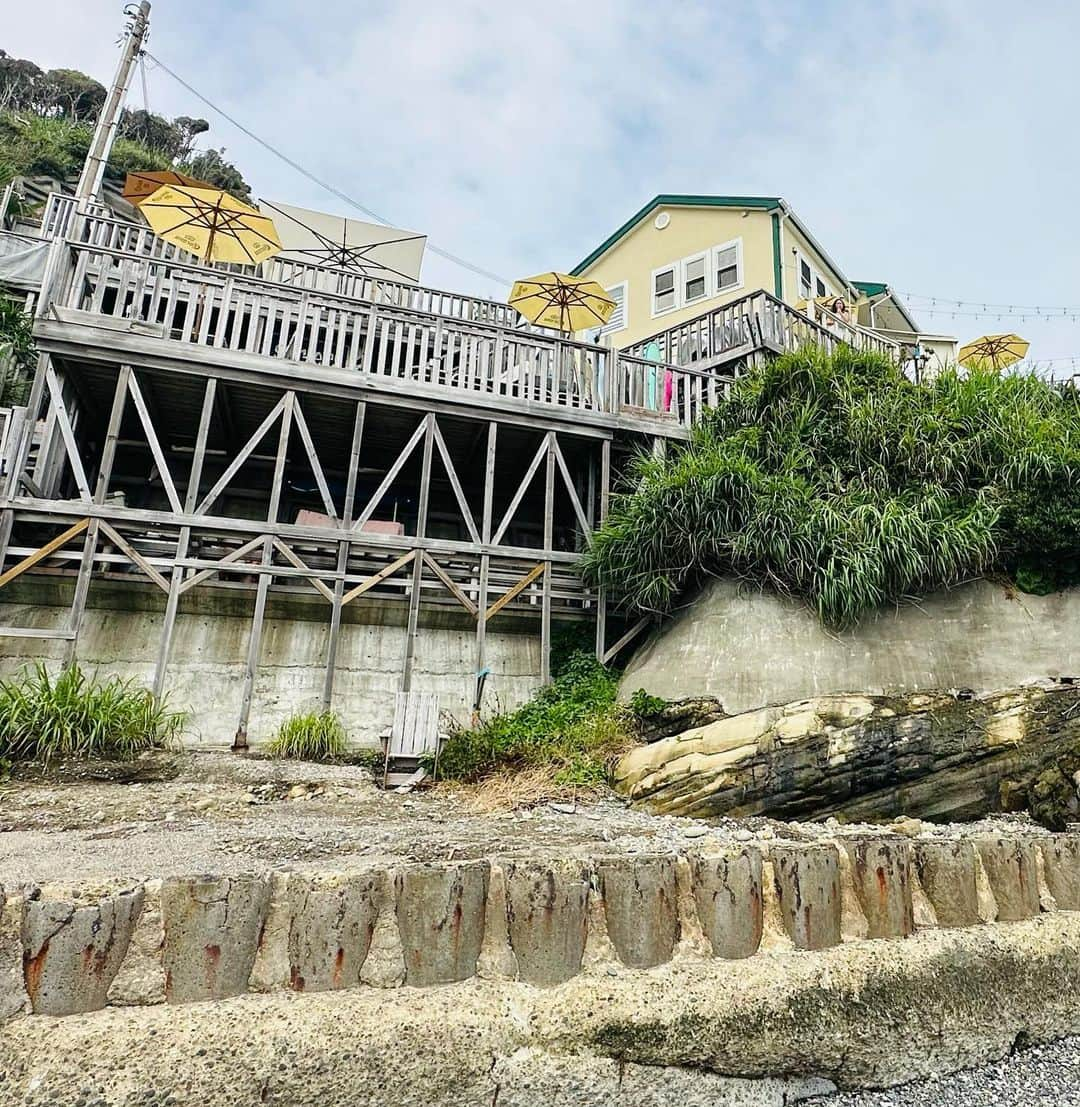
column 706, row 283
column 609, row 328
column 675, row 269
column 739, row 271
column 816, row 275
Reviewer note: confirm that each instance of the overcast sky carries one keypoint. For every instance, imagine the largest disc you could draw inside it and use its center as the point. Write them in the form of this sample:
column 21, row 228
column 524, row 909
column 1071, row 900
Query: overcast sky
column 930, row 145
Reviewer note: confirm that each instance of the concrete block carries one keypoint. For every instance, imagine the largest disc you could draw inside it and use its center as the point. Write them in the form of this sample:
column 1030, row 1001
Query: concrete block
column 13, row 997
column 1061, row 860
column 546, row 911
column 385, row 963
column 141, row 979
column 1010, row 865
column 727, row 891
column 496, row 960
column 881, row 873
column 73, row 946
column 212, row 926
column 641, row 906
column 808, row 887
column 332, row 920
column 440, row 917
column 947, row 875
column 271, row 969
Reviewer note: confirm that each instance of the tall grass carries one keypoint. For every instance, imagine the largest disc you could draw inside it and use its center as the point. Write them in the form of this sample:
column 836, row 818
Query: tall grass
column 316, row 736
column 45, row 717
column 834, row 478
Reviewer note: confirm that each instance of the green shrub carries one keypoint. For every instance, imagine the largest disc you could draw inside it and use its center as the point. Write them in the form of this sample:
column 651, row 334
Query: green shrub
column 71, row 715
column 643, row 705
column 574, row 725
column 836, row 479
column 316, row 736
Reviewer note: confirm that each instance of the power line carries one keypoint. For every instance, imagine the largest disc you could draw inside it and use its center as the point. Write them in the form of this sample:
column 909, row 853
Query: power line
column 445, row 254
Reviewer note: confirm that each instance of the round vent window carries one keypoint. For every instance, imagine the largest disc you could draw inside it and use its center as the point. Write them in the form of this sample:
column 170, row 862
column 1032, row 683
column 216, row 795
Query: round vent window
column 662, row 220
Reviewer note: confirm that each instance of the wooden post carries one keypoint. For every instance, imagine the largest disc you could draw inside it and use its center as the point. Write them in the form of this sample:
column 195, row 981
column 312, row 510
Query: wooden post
column 343, row 557
column 240, row 742
column 601, row 597
column 184, row 538
column 485, row 559
column 108, row 454
column 549, row 528
column 82, row 590
column 418, row 562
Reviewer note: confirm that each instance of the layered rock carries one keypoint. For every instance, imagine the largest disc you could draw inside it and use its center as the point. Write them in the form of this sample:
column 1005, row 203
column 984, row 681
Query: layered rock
column 935, row 756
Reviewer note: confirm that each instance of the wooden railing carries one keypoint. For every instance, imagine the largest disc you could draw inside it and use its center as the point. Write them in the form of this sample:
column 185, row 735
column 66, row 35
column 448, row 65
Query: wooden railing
column 97, row 228
column 198, row 306
column 759, row 321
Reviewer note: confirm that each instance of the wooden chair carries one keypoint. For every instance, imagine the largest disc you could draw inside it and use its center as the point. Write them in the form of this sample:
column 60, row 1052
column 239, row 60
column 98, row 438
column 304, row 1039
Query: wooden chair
column 413, row 736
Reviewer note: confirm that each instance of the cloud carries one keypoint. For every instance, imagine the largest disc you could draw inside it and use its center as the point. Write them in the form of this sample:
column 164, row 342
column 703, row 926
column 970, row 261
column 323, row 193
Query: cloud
column 926, row 144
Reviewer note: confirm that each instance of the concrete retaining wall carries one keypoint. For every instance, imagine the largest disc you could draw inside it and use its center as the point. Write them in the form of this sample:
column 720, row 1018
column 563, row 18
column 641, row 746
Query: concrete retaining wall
column 122, row 629
column 65, row 951
column 751, row 648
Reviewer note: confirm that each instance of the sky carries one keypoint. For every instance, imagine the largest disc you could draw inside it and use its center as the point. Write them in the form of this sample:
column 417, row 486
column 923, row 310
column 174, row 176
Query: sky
column 932, row 146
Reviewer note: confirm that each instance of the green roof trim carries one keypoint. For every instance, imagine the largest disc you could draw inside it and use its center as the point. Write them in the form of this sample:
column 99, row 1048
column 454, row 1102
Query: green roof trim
column 777, row 260
column 666, row 200
column 876, row 288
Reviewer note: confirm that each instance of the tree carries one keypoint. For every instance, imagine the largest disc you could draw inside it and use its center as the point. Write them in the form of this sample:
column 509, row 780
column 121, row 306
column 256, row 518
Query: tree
column 20, row 83
column 73, row 95
column 210, row 166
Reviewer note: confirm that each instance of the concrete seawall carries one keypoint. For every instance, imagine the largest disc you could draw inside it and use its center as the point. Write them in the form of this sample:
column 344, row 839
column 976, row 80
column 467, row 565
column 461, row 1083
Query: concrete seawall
column 122, row 626
column 66, row 951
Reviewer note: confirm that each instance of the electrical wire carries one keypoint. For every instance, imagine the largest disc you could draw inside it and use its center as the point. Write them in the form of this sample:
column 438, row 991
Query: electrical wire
column 344, row 197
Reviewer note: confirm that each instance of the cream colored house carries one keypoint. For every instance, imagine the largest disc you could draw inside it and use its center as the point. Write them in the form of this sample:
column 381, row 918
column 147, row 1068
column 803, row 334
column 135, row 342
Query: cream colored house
column 680, row 257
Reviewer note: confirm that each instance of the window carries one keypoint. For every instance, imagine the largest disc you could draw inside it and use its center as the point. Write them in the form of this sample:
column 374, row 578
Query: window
column 618, row 316
column 695, row 279
column 727, row 266
column 806, row 279
column 819, row 287
column 665, row 296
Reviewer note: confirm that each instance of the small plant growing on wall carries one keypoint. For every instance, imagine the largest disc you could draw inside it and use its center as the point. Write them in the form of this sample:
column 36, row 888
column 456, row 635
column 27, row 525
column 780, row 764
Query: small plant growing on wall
column 315, row 736
column 74, row 716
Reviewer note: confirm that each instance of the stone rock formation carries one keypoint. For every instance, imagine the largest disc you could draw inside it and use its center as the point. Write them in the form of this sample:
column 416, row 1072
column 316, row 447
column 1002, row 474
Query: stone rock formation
column 939, row 756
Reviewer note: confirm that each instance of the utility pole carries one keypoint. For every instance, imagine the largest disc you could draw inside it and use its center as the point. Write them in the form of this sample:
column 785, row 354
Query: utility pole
column 105, row 131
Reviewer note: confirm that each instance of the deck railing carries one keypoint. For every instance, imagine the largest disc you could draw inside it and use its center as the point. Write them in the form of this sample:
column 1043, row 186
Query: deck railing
column 192, row 304
column 721, row 336
column 96, row 227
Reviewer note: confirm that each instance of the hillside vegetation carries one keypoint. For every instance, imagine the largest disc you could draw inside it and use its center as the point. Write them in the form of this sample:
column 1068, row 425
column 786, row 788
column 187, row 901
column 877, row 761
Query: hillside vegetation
column 47, row 120
column 836, row 479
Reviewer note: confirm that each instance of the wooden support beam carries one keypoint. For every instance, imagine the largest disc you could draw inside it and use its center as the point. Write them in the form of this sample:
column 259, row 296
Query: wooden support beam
column 36, row 632
column 379, row 577
column 601, row 595
column 406, row 453
column 116, row 416
column 451, row 587
column 240, row 742
column 40, row 555
column 133, row 555
column 82, row 591
column 294, row 558
column 455, row 484
column 228, row 559
column 313, row 458
column 413, row 624
column 523, row 487
column 63, row 421
column 549, row 529
column 485, row 562
column 242, row 456
column 512, row 592
column 343, row 557
column 579, row 511
column 155, row 446
column 626, row 639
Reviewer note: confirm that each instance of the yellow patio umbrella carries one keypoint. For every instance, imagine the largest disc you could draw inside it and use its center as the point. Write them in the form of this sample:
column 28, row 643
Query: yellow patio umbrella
column 999, row 351
column 561, row 301
column 211, row 224
column 144, row 183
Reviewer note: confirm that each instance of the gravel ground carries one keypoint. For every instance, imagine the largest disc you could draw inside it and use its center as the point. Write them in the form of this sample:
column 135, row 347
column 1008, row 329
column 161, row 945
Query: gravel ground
column 1043, row 1076
column 219, row 813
